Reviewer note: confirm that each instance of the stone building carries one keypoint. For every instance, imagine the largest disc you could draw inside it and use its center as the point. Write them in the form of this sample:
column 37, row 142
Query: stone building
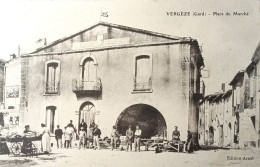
column 216, row 121
column 114, row 75
column 2, row 80
column 217, row 126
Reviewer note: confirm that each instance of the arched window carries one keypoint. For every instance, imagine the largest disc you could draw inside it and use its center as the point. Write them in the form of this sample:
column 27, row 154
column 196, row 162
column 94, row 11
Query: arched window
column 89, row 70
column 87, row 112
column 143, row 73
column 52, row 77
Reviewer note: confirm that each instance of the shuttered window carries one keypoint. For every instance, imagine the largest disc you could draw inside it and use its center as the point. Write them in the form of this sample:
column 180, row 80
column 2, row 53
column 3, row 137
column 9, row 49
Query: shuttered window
column 143, row 73
column 52, row 77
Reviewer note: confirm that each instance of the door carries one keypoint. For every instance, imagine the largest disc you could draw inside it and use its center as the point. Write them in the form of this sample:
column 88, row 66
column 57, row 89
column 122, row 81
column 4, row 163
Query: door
column 87, row 113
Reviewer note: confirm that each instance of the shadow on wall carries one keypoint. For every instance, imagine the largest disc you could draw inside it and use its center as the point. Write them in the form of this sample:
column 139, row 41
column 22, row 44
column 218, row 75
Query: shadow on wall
column 149, row 118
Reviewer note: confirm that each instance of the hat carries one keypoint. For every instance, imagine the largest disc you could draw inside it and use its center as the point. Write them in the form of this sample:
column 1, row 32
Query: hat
column 26, row 126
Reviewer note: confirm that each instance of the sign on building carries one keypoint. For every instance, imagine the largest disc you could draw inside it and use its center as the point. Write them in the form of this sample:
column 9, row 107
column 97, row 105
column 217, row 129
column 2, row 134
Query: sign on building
column 12, row 91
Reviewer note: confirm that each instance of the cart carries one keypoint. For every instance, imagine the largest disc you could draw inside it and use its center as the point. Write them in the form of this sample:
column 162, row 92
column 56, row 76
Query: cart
column 23, row 144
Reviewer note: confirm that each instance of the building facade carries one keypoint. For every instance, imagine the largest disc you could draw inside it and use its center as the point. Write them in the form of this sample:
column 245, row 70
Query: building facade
column 2, row 80
column 113, row 75
column 216, row 121
column 232, row 118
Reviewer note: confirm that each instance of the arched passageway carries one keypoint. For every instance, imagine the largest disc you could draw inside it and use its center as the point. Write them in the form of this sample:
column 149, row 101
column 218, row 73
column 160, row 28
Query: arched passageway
column 151, row 121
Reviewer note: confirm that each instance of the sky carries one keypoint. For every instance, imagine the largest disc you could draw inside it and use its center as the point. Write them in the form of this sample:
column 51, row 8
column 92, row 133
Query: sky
column 228, row 42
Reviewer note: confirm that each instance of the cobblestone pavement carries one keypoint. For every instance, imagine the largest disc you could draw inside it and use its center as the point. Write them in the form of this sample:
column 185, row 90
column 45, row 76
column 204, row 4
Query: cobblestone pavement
column 106, row 158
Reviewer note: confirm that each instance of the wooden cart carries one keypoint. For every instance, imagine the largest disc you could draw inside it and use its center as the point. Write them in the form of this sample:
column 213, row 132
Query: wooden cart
column 24, row 145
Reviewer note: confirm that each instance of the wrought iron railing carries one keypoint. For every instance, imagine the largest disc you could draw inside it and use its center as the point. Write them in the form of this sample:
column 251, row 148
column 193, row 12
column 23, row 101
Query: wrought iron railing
column 52, row 87
column 84, row 85
column 142, row 83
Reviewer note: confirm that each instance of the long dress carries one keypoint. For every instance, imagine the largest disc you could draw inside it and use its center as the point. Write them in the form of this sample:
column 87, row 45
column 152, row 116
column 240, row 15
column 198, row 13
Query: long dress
column 46, row 144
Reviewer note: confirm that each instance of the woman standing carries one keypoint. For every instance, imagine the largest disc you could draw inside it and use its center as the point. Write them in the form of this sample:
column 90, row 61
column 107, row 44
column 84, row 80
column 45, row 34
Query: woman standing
column 46, row 144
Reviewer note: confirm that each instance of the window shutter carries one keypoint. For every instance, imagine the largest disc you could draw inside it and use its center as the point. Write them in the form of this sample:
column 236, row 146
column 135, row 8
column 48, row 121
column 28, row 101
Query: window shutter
column 247, row 93
column 252, row 86
column 238, row 95
column 254, row 93
column 234, row 97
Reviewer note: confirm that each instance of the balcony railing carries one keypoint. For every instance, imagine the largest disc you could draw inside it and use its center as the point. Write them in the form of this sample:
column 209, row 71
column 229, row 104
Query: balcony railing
column 86, row 86
column 52, row 87
column 142, row 83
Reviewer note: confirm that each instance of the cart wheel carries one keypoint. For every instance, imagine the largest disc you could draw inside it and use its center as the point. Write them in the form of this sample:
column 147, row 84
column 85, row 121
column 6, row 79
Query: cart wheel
column 31, row 149
column 16, row 148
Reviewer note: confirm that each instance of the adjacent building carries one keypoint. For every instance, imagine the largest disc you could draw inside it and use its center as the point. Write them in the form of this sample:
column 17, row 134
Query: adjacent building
column 216, row 121
column 232, row 118
column 113, row 75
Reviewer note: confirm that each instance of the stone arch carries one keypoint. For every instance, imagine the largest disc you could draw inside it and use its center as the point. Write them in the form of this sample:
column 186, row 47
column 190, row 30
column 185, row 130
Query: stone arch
column 151, row 120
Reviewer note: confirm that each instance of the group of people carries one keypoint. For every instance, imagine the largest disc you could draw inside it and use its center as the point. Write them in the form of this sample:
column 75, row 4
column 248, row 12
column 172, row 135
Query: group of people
column 189, row 144
column 130, row 136
column 88, row 137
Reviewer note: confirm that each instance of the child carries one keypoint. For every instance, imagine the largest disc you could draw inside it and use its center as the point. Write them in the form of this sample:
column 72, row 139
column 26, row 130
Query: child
column 82, row 136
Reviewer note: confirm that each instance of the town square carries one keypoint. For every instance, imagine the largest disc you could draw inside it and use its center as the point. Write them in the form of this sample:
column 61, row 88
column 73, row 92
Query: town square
column 111, row 83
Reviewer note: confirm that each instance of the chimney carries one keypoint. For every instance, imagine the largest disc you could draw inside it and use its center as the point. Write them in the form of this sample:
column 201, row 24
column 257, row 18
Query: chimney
column 40, row 43
column 12, row 56
column 223, row 87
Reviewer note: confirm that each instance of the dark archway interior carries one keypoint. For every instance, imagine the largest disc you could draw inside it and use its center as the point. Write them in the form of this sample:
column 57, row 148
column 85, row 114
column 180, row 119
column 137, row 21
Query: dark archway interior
column 147, row 117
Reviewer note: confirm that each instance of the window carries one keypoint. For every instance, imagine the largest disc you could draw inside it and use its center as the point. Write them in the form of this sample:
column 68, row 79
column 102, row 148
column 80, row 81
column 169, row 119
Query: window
column 143, row 73
column 52, row 77
column 252, row 91
column 50, row 118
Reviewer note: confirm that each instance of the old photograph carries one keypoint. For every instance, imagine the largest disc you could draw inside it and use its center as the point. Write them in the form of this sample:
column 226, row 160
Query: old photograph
column 114, row 83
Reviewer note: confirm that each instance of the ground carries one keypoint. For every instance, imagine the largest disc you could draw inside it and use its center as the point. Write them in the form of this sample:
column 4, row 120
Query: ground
column 107, row 158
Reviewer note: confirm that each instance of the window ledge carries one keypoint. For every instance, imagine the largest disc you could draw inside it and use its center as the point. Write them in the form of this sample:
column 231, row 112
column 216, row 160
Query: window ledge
column 51, row 94
column 142, row 91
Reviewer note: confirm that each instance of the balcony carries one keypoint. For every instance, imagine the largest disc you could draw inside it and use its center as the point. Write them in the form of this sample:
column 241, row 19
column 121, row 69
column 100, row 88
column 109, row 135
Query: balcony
column 52, row 87
column 87, row 87
column 142, row 84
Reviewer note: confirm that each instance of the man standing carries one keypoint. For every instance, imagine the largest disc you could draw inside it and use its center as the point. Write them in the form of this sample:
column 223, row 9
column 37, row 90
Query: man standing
column 58, row 136
column 96, row 134
column 83, row 125
column 82, row 137
column 138, row 133
column 129, row 138
column 114, row 137
column 175, row 135
column 71, row 125
column 189, row 143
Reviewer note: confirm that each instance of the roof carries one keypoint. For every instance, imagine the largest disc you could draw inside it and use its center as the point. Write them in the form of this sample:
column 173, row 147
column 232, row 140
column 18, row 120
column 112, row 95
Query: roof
column 2, row 61
column 250, row 67
column 217, row 96
column 237, row 76
column 116, row 26
column 256, row 56
column 227, row 93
